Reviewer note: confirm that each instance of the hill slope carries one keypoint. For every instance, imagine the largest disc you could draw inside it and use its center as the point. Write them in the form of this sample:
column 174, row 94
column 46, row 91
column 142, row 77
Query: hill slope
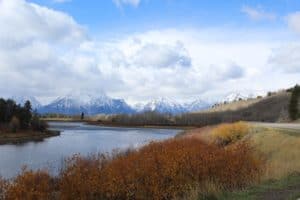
column 269, row 109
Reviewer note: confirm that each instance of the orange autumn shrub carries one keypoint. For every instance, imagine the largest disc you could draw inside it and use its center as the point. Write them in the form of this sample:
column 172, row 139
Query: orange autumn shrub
column 161, row 170
column 228, row 133
column 3, row 187
column 171, row 169
column 31, row 186
column 82, row 178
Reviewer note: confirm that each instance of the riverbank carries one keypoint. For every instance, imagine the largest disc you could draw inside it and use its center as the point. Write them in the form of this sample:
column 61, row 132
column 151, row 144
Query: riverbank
column 280, row 149
column 97, row 123
column 139, row 126
column 26, row 136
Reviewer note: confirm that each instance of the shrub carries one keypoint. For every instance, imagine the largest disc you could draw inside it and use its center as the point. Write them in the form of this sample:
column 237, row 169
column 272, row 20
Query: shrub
column 171, row 169
column 14, row 124
column 31, row 185
column 82, row 178
column 163, row 170
column 228, row 133
column 3, row 187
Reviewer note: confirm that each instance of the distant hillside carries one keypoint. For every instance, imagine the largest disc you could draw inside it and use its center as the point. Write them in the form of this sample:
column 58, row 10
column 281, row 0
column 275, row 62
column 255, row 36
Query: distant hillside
column 240, row 104
column 268, row 109
column 235, row 105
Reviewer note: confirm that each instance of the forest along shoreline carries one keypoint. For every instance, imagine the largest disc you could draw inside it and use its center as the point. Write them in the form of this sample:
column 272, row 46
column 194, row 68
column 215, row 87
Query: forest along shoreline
column 19, row 124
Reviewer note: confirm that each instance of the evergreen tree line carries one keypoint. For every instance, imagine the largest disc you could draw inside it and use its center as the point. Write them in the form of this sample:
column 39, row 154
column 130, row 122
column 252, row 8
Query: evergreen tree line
column 294, row 103
column 19, row 116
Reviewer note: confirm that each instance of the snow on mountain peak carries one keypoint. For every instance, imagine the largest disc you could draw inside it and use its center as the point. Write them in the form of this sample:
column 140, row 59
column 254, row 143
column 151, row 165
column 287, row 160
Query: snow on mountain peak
column 75, row 103
column 196, row 105
column 236, row 96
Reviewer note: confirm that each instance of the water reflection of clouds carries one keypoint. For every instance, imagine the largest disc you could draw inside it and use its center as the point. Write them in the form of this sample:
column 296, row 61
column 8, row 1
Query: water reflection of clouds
column 75, row 138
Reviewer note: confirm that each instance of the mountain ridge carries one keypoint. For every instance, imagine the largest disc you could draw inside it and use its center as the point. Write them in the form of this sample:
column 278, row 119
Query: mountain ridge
column 75, row 103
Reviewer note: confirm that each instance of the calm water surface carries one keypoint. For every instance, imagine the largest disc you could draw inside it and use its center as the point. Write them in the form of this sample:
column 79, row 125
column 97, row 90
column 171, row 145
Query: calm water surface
column 75, row 138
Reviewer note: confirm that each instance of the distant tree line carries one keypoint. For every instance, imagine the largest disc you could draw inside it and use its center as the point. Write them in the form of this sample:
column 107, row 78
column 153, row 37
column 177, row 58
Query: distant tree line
column 145, row 118
column 15, row 116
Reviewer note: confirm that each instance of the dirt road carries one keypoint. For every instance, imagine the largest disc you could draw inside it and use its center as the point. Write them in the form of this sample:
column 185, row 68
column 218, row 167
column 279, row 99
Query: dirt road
column 286, row 126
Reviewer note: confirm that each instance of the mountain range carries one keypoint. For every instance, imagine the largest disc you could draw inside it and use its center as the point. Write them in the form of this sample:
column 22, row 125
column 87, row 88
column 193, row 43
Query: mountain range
column 73, row 104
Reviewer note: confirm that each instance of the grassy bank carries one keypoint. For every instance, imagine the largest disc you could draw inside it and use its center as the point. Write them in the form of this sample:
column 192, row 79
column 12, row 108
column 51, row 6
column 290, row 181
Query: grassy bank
column 281, row 179
column 280, row 149
column 287, row 188
column 26, row 136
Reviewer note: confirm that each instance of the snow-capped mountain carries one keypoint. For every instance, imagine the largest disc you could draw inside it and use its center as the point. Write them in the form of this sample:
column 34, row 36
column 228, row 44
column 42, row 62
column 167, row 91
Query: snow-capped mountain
column 196, row 105
column 167, row 105
column 89, row 104
column 35, row 104
column 236, row 96
column 164, row 105
column 76, row 103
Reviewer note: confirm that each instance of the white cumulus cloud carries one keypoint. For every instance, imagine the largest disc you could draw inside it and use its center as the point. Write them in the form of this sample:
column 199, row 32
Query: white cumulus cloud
column 46, row 53
column 294, row 21
column 257, row 13
column 134, row 3
column 61, row 1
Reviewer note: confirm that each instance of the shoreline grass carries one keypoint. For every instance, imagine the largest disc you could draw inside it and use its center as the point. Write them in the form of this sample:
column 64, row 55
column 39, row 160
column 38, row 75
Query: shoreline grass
column 26, row 136
column 285, row 188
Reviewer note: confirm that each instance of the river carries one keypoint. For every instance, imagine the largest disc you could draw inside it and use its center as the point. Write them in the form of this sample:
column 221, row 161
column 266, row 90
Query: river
column 75, row 138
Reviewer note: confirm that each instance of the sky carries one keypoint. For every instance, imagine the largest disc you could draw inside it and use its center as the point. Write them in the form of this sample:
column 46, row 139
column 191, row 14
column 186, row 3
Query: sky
column 144, row 49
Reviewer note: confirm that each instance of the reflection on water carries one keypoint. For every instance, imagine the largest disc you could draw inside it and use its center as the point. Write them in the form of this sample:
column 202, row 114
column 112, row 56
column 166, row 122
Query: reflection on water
column 75, row 138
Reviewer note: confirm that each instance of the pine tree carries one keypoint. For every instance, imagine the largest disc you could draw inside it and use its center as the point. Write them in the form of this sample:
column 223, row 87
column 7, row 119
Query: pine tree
column 294, row 103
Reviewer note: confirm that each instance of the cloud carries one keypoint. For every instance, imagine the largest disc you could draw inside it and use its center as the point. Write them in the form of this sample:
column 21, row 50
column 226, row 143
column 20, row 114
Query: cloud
column 35, row 22
column 46, row 53
column 134, row 3
column 294, row 21
column 33, row 46
column 162, row 56
column 286, row 58
column 61, row 1
column 258, row 13
column 229, row 71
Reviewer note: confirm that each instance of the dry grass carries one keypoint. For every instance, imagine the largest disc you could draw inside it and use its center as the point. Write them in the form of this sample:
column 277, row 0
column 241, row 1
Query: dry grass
column 203, row 133
column 282, row 152
column 225, row 134
column 280, row 148
column 232, row 106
